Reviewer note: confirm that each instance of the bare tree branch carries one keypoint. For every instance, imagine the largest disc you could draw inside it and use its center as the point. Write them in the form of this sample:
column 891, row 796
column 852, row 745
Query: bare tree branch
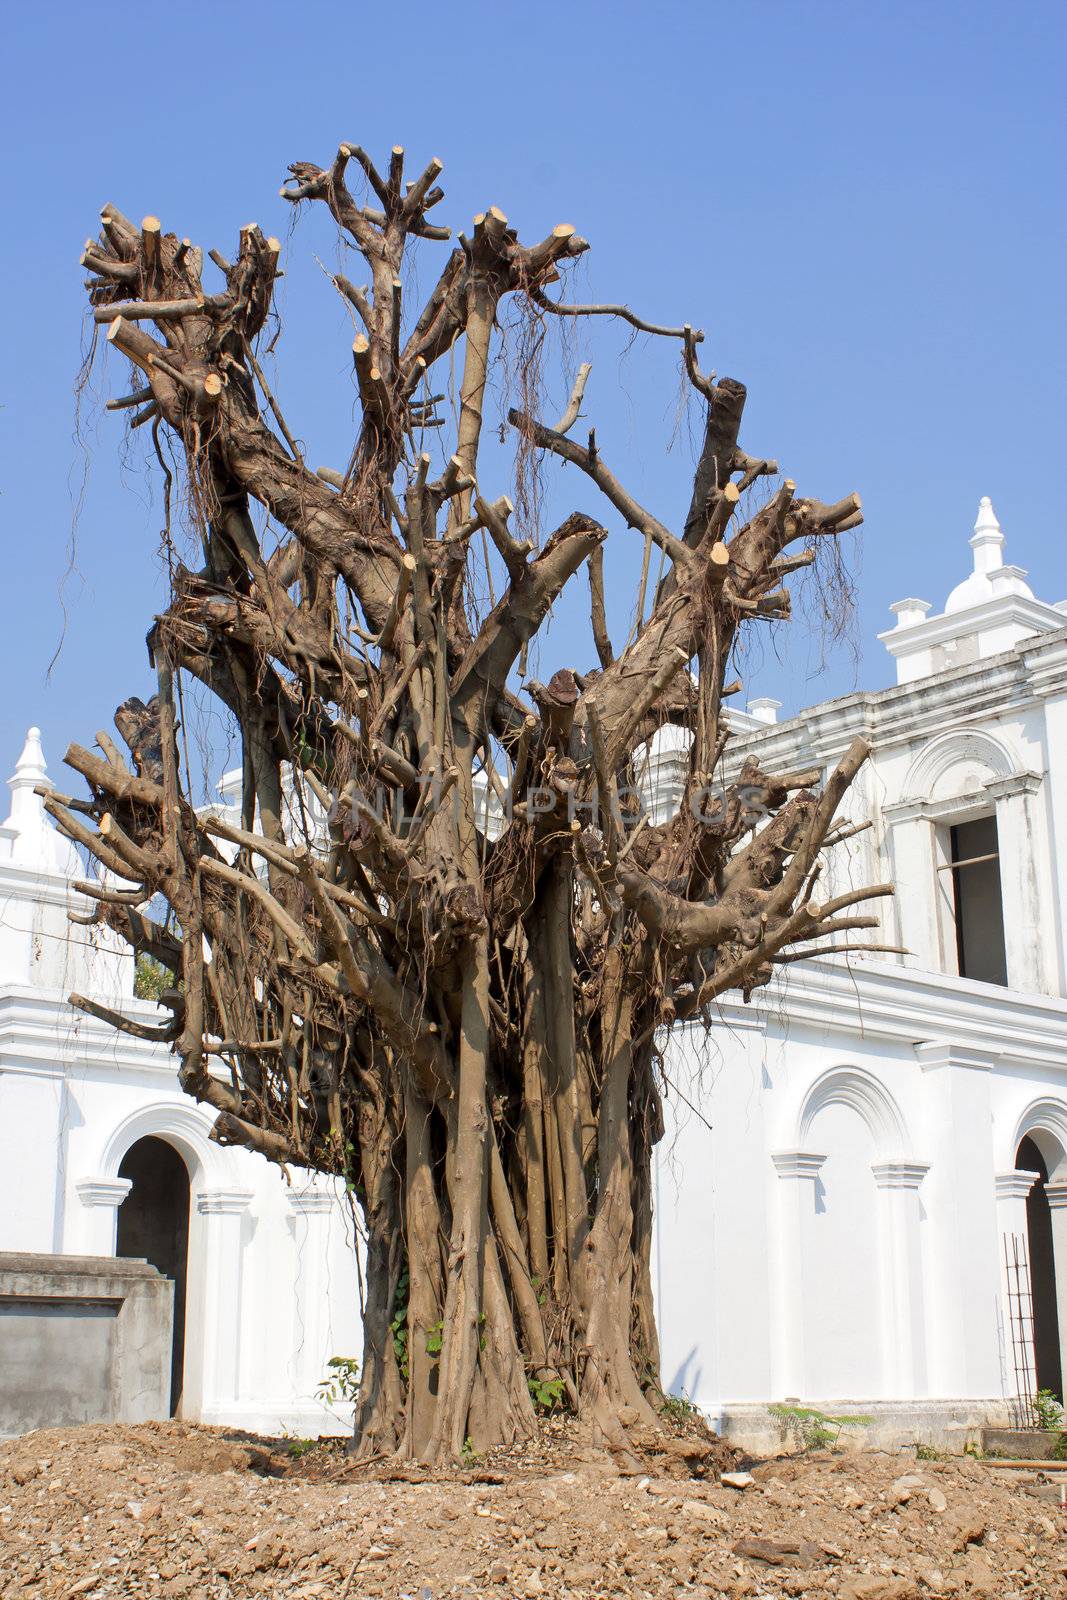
column 434, row 949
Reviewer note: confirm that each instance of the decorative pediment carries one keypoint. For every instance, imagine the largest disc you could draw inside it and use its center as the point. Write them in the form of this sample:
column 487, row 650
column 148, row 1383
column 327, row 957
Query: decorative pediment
column 958, row 764
column 862, row 1093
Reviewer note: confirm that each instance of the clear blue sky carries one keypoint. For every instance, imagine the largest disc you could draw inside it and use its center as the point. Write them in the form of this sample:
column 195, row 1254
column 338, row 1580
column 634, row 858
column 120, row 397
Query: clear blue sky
column 862, row 204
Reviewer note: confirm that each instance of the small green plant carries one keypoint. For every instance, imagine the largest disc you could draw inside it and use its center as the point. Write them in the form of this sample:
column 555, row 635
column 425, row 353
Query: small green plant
column 300, row 1447
column 810, row 1429
column 151, row 978
column 436, row 1332
column 546, row 1393
column 679, row 1408
column 469, row 1453
column 341, row 1382
column 1049, row 1416
column 399, row 1325
column 1048, row 1411
column 974, row 1450
column 926, row 1452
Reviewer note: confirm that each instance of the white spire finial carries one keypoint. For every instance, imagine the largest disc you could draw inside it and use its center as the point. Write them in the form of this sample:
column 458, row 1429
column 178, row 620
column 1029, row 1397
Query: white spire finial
column 30, row 770
column 31, row 766
column 36, row 843
column 27, row 808
column 987, row 542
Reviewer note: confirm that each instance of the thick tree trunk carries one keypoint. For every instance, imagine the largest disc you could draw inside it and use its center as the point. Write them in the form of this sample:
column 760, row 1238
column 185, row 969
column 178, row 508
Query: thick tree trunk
column 424, row 1238
column 502, row 1318
column 556, row 1312
column 468, row 1181
column 379, row 1414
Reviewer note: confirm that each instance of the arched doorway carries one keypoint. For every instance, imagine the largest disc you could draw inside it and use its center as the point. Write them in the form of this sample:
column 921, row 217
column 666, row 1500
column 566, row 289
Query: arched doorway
column 153, row 1225
column 1028, row 1158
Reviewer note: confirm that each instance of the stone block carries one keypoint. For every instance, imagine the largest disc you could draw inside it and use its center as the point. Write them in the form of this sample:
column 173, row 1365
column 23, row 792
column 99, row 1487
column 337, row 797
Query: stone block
column 82, row 1339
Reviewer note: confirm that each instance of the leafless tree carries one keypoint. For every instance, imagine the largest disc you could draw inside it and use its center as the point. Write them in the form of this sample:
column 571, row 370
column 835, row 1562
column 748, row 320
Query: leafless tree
column 458, row 1000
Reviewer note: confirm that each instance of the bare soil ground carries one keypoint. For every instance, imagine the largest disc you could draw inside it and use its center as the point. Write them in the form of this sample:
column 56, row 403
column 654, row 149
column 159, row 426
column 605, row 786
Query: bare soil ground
column 172, row 1509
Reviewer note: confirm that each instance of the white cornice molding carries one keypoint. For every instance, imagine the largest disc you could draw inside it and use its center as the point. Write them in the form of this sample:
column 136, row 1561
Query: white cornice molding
column 921, row 810
column 223, row 1202
column 1015, row 1185
column 1056, row 1195
column 1017, row 783
column 926, row 715
column 1046, row 664
column 41, row 1035
column 951, row 625
column 311, row 1202
column 103, row 1191
column 933, row 1054
column 1016, row 679
column 40, row 1032
column 797, row 1163
column 899, row 1174
column 906, row 1006
column 955, row 806
column 735, row 1017
column 30, row 884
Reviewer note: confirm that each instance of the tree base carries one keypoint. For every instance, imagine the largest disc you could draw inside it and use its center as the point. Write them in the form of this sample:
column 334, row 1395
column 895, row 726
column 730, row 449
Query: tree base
column 679, row 1446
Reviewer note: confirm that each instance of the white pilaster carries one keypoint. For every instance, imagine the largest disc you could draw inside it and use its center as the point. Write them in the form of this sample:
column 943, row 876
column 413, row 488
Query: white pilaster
column 798, row 1172
column 913, row 855
column 34, row 1102
column 100, row 1198
column 222, row 1213
column 1027, row 952
column 1056, row 764
column 904, row 1350
column 311, row 1210
column 1012, row 1189
column 961, row 1242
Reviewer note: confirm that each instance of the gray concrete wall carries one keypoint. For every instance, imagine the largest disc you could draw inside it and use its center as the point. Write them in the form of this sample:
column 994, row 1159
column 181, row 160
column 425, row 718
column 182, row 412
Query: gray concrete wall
column 82, row 1339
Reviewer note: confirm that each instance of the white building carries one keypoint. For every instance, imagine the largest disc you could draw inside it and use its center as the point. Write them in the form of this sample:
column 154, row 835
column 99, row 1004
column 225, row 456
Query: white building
column 101, row 1153
column 862, row 1196
column 885, row 1134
